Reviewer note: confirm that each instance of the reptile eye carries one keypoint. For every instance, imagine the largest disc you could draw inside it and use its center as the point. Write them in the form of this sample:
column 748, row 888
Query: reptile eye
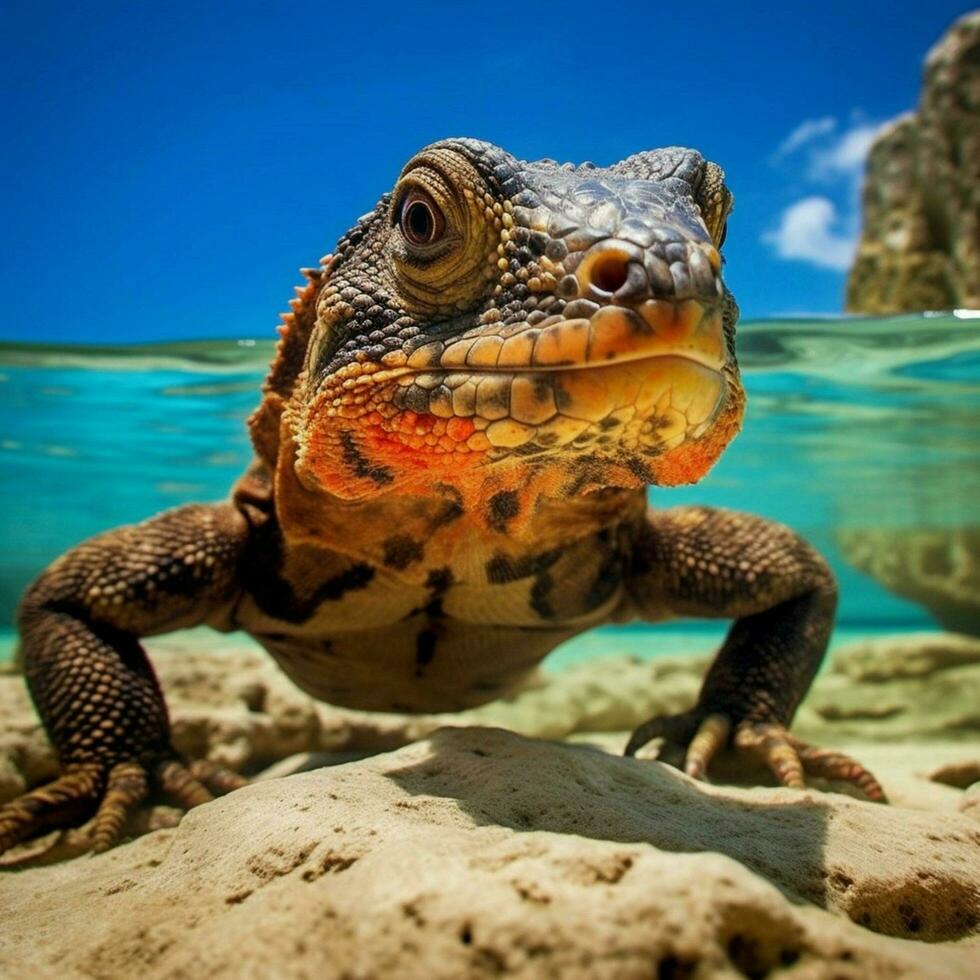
column 421, row 221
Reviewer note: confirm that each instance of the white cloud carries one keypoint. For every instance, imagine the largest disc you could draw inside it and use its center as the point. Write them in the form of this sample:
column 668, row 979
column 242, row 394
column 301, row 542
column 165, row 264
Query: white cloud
column 809, row 231
column 844, row 155
column 822, row 152
column 808, row 130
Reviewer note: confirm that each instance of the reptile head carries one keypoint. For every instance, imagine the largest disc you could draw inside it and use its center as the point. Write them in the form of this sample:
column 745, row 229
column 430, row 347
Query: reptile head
column 500, row 325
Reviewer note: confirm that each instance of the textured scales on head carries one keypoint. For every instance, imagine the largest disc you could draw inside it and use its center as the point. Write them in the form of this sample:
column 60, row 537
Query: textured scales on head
column 496, row 334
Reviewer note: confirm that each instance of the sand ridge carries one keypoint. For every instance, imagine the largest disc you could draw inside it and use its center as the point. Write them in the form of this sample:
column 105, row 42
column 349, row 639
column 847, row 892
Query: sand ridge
column 481, row 852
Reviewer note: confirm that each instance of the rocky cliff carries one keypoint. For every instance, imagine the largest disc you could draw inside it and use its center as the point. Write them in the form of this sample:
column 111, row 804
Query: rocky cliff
column 920, row 245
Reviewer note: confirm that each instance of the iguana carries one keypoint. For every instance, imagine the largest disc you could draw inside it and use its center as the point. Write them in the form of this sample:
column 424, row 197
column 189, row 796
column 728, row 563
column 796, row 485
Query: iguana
column 468, row 401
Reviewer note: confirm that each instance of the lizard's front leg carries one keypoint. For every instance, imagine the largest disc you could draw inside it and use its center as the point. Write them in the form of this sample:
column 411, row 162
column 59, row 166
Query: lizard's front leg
column 706, row 562
column 91, row 681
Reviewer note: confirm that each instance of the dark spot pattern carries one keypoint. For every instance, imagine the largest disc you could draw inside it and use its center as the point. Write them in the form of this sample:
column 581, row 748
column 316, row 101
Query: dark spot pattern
column 379, row 475
column 502, row 568
column 453, row 505
column 539, row 599
column 439, row 580
column 425, row 649
column 402, row 550
column 275, row 596
column 502, row 508
column 609, row 573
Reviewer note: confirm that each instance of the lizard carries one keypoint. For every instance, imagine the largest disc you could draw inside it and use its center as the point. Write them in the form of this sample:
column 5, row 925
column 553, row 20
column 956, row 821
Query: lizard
column 468, row 402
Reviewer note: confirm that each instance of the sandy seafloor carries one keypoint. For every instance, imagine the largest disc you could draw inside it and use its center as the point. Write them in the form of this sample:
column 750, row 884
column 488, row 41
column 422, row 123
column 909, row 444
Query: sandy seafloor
column 513, row 840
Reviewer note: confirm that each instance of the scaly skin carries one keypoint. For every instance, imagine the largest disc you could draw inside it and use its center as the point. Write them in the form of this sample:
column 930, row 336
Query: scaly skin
column 468, row 401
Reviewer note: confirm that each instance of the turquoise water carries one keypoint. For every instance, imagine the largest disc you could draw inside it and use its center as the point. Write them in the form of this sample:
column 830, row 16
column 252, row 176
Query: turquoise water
column 851, row 423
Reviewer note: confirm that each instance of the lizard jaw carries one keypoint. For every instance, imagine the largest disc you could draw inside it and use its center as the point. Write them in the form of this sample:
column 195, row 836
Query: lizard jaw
column 585, row 335
column 627, row 397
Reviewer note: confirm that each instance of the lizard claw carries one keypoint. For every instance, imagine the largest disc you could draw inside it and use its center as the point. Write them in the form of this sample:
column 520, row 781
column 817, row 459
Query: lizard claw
column 675, row 730
column 113, row 793
column 125, row 789
column 62, row 801
column 712, row 735
column 196, row 783
column 694, row 738
column 791, row 759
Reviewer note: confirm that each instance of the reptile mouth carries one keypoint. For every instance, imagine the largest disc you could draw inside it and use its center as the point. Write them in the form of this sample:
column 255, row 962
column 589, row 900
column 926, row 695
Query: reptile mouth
column 585, row 335
column 627, row 396
column 646, row 378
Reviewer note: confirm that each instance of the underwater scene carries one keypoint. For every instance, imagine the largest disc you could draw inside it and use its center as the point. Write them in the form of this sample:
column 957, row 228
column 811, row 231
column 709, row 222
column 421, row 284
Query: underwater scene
column 860, row 433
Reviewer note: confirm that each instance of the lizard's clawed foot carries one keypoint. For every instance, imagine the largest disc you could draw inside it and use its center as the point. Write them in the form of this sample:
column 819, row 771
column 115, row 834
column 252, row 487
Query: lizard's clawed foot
column 109, row 796
column 692, row 739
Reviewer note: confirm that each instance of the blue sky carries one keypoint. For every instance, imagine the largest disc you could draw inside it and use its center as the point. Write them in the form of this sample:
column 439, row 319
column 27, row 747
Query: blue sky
column 166, row 168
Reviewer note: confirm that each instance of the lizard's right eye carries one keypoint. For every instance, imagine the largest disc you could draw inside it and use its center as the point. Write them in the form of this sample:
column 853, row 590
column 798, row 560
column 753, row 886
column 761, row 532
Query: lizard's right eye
column 420, row 219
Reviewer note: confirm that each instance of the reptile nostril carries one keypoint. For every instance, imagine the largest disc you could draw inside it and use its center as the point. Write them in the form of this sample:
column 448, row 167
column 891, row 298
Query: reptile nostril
column 609, row 272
